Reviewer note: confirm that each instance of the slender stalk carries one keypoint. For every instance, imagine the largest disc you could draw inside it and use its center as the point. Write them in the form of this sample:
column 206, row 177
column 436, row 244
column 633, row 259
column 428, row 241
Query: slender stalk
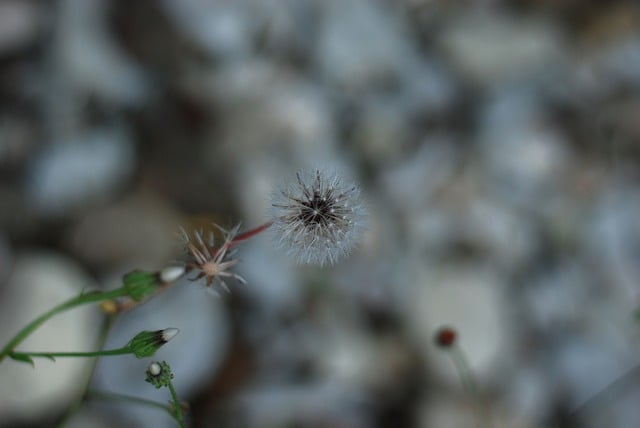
column 250, row 233
column 104, row 395
column 469, row 384
column 77, row 402
column 128, row 304
column 464, row 371
column 71, row 303
column 119, row 351
column 177, row 406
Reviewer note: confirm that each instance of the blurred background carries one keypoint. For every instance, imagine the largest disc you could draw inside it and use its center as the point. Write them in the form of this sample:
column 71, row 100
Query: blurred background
column 496, row 144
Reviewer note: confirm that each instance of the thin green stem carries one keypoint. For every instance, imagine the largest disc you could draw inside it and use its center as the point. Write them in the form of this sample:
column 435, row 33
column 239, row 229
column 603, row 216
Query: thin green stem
column 469, row 383
column 464, row 371
column 75, row 405
column 82, row 299
column 113, row 396
column 177, row 406
column 119, row 351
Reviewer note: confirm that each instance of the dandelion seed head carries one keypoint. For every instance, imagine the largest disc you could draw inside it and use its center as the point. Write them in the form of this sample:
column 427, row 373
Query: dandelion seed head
column 318, row 218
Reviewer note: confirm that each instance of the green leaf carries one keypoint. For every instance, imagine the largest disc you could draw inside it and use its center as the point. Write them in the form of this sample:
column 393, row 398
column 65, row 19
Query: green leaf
column 23, row 359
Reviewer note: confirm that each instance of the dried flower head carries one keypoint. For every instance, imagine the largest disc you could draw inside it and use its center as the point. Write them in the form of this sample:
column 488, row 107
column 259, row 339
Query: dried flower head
column 318, row 219
column 211, row 262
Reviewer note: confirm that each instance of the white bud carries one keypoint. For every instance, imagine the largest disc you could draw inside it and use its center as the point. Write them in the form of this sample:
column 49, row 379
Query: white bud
column 154, row 369
column 169, row 333
column 171, row 273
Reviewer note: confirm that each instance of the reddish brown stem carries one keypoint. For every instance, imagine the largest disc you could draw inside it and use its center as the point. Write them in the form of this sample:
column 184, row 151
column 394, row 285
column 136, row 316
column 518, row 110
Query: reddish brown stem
column 249, row 234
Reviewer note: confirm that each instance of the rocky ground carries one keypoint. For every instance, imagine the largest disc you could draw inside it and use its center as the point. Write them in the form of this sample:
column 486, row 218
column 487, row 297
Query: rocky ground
column 497, row 147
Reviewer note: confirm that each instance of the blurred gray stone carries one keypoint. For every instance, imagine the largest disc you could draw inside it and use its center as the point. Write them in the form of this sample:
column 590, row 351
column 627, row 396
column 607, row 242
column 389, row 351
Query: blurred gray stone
column 587, row 364
column 267, row 111
column 86, row 416
column 88, row 59
column 557, row 298
column 362, row 45
column 410, row 184
column 469, row 299
column 382, row 132
column 350, row 355
column 612, row 237
column 526, row 158
column 272, row 277
column 85, row 64
column 494, row 48
column 621, row 61
column 446, row 412
column 290, row 29
column 529, row 391
column 21, row 23
column 598, row 73
column 223, row 28
column 321, row 404
column 17, row 139
column 72, row 175
column 136, row 233
column 38, row 282
column 497, row 150
column 500, row 234
column 6, row 259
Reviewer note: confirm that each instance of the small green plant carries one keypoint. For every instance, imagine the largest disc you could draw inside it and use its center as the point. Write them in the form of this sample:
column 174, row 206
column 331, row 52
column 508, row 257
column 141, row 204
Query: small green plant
column 317, row 220
column 137, row 286
column 143, row 345
column 159, row 375
column 446, row 338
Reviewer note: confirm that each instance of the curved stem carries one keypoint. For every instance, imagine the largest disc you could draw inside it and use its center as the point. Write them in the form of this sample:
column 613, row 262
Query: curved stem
column 464, row 371
column 119, row 351
column 177, row 406
column 105, row 395
column 71, row 303
column 469, row 383
column 250, row 233
column 77, row 402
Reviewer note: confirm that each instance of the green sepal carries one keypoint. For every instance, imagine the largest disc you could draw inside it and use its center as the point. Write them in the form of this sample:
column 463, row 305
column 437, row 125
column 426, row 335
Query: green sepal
column 161, row 379
column 23, row 359
column 146, row 343
column 140, row 284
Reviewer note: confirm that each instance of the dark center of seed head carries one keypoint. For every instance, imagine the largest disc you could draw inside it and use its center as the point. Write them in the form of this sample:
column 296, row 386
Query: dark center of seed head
column 317, row 210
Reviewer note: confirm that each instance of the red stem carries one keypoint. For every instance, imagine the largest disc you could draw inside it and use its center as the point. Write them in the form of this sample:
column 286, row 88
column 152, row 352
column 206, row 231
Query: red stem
column 250, row 233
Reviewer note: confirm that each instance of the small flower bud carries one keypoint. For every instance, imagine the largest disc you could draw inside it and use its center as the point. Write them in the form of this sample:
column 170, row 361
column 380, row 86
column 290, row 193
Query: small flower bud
column 146, row 343
column 140, row 284
column 154, row 369
column 445, row 337
column 172, row 273
column 159, row 374
column 169, row 333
